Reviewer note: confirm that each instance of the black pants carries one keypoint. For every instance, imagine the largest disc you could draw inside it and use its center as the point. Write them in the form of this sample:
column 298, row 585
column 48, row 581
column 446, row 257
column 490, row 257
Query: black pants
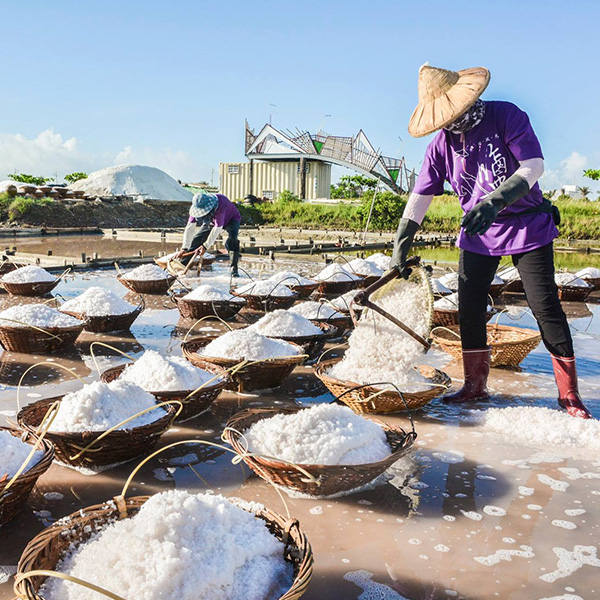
column 536, row 267
column 232, row 244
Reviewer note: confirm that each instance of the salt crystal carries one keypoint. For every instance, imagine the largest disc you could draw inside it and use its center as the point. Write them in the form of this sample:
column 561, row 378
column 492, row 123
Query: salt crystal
column 179, row 545
column 325, row 434
column 336, row 272
column 36, row 315
column 381, row 260
column 13, row 452
column 365, row 268
column 315, row 311
column 209, row 293
column 156, row 373
column 290, row 278
column 283, row 323
column 28, row 274
column 99, row 406
column 570, row 280
column 149, row 272
column 246, row 344
column 98, row 302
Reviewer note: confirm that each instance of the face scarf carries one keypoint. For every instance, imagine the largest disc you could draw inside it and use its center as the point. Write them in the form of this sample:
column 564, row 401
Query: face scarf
column 469, row 119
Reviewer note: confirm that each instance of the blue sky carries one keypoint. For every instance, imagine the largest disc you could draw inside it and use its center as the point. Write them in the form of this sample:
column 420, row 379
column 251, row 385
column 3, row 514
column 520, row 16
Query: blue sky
column 90, row 84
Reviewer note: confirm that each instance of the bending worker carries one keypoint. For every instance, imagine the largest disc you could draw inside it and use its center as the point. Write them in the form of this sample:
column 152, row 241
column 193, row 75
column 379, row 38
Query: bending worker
column 489, row 154
column 210, row 214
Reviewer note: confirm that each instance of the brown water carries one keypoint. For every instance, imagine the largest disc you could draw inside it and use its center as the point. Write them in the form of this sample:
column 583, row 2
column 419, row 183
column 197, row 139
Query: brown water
column 467, row 514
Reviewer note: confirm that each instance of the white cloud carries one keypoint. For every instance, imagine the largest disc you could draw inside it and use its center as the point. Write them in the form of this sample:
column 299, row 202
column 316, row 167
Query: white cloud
column 569, row 172
column 50, row 153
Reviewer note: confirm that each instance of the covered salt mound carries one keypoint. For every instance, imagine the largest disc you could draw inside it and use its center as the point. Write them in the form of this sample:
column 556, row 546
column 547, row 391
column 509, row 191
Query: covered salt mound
column 137, row 181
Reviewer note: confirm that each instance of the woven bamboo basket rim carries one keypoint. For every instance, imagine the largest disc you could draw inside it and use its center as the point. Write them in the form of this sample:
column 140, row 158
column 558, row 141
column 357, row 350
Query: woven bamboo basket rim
column 90, row 320
column 523, row 335
column 577, row 291
column 303, row 287
column 413, row 400
column 14, row 499
column 49, row 331
column 114, row 373
column 398, row 439
column 190, row 348
column 45, row 550
column 28, row 288
column 80, row 439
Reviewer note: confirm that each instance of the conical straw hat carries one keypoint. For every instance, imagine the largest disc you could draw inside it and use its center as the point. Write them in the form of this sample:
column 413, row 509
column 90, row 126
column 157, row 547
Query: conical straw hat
column 444, row 96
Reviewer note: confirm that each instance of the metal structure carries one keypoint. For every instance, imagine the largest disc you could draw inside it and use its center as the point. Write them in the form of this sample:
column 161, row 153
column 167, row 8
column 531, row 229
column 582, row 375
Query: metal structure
column 355, row 153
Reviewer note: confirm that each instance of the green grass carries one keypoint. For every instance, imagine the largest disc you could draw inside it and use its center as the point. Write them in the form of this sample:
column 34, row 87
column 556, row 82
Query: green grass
column 580, row 218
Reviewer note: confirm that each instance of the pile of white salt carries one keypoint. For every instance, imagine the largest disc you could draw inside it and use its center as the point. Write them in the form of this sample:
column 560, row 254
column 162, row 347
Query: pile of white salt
column 179, row 546
column 13, row 452
column 284, row 323
column 245, row 344
column 36, row 315
column 98, row 302
column 149, row 272
column 326, row 434
column 379, row 351
column 155, row 373
column 28, row 274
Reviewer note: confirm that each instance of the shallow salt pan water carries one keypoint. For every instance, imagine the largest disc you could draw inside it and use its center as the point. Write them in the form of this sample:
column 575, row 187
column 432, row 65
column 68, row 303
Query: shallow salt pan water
column 468, row 514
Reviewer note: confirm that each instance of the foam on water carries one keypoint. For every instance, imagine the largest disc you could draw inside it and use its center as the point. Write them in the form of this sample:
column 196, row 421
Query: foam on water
column 571, row 561
column 371, row 589
column 500, row 555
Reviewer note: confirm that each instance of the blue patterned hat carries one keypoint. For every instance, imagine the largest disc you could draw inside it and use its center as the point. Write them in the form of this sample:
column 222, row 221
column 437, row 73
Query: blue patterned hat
column 203, row 204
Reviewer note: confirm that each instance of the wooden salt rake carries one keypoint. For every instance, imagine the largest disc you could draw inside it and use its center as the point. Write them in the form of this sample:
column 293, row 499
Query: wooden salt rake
column 363, row 299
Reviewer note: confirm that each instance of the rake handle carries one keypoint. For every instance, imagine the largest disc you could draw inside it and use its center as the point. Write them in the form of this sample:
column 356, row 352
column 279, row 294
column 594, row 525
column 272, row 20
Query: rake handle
column 395, row 272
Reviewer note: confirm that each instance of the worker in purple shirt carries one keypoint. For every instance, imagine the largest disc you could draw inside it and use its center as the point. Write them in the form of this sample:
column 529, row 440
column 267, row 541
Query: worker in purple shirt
column 210, row 214
column 489, row 154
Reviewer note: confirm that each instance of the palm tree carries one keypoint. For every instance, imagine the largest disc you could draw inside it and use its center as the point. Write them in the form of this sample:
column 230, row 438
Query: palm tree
column 584, row 190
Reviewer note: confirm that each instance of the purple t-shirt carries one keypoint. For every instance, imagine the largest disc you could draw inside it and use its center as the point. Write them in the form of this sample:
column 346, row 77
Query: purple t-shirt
column 476, row 163
column 226, row 212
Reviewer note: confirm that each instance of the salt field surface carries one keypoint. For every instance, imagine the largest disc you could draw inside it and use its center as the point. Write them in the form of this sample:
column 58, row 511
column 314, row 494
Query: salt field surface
column 481, row 509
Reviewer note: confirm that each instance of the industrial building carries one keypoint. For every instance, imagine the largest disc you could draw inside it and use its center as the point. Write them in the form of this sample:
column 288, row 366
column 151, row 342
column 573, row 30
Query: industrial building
column 301, row 163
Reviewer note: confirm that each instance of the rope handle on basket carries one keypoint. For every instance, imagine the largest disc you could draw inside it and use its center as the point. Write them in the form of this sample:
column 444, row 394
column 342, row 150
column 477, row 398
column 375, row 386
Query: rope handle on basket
column 359, row 387
column 124, row 422
column 65, row 273
column 328, row 350
column 47, row 422
column 244, row 272
column 204, row 319
column 237, row 459
column 445, row 329
column 119, row 272
column 49, row 573
column 110, row 348
column 47, row 364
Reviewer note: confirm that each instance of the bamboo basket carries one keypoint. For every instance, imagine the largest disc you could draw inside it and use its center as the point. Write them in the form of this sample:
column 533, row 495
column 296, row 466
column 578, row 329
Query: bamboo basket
column 514, row 287
column 252, row 376
column 192, row 405
column 147, row 286
column 326, row 480
column 119, row 446
column 448, row 318
column 7, row 266
column 574, row 293
column 330, row 289
column 312, row 345
column 370, row 399
column 303, row 291
column 341, row 324
column 14, row 499
column 267, row 303
column 593, row 281
column 199, row 309
column 510, row 345
column 496, row 289
column 107, row 323
column 46, row 549
column 28, row 340
column 39, row 288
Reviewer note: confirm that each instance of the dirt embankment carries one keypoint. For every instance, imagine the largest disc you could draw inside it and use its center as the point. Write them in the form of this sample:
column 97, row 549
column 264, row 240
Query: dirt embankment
column 117, row 214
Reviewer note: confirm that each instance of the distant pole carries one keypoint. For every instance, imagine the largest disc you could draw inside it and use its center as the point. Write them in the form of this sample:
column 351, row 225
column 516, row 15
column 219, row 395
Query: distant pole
column 302, row 175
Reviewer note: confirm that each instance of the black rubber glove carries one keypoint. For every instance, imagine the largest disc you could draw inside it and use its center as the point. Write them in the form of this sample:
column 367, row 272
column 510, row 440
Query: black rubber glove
column 480, row 218
column 407, row 228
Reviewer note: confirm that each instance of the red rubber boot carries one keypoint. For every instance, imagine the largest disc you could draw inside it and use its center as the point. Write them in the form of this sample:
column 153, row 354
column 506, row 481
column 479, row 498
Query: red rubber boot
column 565, row 373
column 476, row 366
